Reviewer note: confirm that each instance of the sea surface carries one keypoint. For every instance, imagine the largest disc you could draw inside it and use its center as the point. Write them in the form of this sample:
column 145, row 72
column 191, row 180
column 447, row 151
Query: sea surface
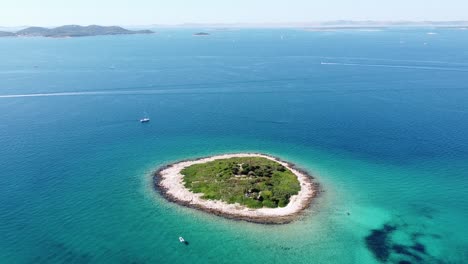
column 380, row 118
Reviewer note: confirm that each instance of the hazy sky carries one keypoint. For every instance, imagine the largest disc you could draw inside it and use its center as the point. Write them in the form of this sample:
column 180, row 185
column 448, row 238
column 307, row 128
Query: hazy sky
column 140, row 12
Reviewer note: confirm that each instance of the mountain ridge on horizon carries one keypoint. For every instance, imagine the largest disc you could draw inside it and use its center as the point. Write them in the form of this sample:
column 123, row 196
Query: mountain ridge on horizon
column 315, row 24
column 7, row 31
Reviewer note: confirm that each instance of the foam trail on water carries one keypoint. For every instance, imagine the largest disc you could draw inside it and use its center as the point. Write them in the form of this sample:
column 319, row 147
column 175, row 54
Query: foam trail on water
column 90, row 93
column 80, row 93
column 395, row 66
column 391, row 60
column 50, row 94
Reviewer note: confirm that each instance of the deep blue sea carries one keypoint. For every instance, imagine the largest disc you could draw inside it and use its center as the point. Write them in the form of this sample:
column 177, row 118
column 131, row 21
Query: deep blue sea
column 380, row 118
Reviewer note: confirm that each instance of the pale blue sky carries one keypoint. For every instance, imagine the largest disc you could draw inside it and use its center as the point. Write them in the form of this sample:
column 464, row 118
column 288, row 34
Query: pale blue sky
column 141, row 12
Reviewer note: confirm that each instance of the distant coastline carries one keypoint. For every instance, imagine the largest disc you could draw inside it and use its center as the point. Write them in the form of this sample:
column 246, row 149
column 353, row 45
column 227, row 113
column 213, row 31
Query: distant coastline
column 311, row 25
column 343, row 24
column 168, row 180
column 70, row 31
column 335, row 28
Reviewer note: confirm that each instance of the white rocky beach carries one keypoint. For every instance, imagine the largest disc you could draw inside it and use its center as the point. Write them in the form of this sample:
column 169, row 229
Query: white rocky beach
column 170, row 180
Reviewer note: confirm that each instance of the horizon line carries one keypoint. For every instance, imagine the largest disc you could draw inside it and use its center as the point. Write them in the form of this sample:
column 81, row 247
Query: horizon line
column 323, row 23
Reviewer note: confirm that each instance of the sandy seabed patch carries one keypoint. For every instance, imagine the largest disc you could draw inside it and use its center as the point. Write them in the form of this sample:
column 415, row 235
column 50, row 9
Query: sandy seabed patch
column 169, row 181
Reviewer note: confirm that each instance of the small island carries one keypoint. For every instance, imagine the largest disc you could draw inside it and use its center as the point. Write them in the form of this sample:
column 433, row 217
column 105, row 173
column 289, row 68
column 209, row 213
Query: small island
column 252, row 187
column 201, row 34
column 69, row 31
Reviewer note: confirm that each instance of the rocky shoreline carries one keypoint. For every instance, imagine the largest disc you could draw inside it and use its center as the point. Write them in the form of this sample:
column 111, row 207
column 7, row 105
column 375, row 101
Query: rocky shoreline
column 168, row 181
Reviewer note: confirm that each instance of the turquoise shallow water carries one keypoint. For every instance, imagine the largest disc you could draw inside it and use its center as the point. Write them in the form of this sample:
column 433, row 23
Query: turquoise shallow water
column 380, row 118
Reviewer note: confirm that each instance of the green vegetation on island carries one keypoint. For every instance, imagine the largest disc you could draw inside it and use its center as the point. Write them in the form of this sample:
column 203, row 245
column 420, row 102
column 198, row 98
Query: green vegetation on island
column 255, row 182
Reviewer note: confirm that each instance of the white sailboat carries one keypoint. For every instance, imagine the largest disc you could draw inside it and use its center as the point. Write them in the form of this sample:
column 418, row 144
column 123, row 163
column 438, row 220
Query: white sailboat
column 145, row 119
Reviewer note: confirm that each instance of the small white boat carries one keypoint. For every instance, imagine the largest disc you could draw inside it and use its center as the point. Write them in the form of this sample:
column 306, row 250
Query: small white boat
column 144, row 120
column 182, row 240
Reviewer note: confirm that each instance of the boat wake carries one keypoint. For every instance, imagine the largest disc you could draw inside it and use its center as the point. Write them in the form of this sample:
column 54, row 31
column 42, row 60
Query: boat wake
column 384, row 60
column 412, row 67
column 58, row 94
column 129, row 92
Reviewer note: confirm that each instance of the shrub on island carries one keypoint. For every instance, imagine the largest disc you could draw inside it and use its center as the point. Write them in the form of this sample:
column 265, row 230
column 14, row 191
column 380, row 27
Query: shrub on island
column 254, row 182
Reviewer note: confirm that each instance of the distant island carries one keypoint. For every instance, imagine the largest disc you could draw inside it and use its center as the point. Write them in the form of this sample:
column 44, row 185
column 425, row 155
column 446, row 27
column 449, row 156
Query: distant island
column 72, row 31
column 361, row 28
column 251, row 187
column 345, row 24
column 201, row 34
column 7, row 34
